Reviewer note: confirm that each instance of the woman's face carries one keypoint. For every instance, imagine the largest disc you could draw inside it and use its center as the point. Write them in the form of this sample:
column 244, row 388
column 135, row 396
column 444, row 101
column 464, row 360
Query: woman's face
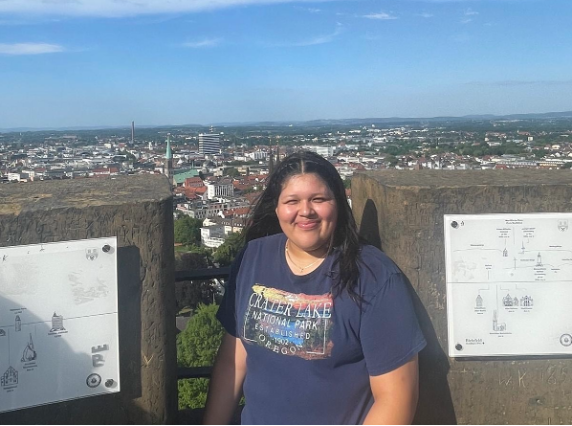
column 307, row 212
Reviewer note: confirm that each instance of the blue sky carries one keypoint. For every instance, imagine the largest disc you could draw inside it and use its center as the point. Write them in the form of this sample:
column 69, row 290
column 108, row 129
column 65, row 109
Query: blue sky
column 108, row 62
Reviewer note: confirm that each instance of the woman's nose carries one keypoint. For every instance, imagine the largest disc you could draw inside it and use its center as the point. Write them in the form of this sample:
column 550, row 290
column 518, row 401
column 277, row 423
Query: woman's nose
column 306, row 208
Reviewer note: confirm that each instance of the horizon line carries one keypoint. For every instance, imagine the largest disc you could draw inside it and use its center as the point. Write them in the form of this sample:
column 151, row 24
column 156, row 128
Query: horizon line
column 276, row 122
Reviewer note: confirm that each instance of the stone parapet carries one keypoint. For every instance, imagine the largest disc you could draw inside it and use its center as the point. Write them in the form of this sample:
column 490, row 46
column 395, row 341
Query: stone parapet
column 138, row 211
column 402, row 212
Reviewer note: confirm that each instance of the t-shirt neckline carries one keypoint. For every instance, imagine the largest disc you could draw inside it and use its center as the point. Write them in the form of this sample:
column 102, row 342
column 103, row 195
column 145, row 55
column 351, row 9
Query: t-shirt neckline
column 299, row 279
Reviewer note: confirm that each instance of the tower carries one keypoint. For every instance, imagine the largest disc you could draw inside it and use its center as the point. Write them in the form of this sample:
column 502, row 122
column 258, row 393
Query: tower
column 169, row 163
column 209, row 143
column 270, row 159
column 270, row 164
column 132, row 133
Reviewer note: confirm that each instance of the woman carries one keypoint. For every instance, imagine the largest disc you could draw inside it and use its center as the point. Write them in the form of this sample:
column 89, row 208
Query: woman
column 320, row 329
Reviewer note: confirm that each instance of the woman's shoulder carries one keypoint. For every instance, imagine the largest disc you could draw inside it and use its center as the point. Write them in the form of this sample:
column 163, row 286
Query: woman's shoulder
column 267, row 242
column 377, row 261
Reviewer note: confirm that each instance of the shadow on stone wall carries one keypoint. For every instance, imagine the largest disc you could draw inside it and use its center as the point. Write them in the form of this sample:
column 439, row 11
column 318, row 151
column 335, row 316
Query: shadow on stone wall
column 435, row 401
column 369, row 229
column 112, row 408
column 129, row 300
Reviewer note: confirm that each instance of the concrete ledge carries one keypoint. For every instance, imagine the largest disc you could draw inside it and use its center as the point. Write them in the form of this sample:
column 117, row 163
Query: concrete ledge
column 138, row 210
column 402, row 213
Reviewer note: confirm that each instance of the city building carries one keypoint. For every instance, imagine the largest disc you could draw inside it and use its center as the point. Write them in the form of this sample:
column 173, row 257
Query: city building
column 257, row 155
column 213, row 236
column 324, row 151
column 203, row 209
column 219, row 189
column 230, row 224
column 209, row 143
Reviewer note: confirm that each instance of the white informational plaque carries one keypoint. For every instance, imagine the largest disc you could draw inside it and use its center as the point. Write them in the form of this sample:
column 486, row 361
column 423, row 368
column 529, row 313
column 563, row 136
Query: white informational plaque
column 509, row 284
column 58, row 322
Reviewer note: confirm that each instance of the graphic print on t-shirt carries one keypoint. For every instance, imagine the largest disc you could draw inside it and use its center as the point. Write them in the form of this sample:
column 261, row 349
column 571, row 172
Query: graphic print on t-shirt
column 289, row 324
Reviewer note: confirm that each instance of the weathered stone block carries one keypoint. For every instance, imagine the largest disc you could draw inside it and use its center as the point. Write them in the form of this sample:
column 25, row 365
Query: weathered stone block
column 402, row 213
column 138, row 211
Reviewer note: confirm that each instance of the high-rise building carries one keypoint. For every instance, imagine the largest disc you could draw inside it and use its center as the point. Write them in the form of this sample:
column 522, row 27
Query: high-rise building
column 169, row 162
column 209, row 143
column 324, row 151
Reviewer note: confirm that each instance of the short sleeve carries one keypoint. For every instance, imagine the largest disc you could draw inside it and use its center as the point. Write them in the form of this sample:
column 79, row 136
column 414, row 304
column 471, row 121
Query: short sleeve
column 226, row 313
column 389, row 331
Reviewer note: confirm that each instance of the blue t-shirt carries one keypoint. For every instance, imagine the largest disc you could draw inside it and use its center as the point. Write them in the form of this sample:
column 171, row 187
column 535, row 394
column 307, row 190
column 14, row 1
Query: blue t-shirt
column 309, row 356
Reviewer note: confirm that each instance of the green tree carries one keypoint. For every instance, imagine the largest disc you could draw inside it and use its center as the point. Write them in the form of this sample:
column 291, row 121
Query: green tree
column 391, row 160
column 197, row 346
column 232, row 172
column 130, row 157
column 227, row 251
column 540, row 153
column 188, row 230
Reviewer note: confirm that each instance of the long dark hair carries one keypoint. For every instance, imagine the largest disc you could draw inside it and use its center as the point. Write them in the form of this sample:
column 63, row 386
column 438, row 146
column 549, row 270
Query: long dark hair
column 346, row 240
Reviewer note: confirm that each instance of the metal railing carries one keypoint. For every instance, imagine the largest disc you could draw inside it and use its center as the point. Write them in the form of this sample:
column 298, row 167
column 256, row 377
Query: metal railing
column 198, row 274
column 202, row 274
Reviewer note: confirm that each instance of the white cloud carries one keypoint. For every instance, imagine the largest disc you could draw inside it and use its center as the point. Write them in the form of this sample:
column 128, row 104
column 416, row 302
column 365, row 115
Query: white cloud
column 207, row 42
column 380, row 16
column 426, row 15
column 120, row 8
column 470, row 12
column 19, row 22
column 466, row 21
column 322, row 39
column 29, row 48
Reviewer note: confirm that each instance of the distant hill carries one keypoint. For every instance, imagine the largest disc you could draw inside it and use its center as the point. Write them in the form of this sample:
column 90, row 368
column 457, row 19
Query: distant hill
column 403, row 120
column 323, row 122
column 72, row 128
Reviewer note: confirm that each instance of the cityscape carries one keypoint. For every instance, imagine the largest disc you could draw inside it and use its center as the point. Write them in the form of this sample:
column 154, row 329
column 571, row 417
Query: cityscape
column 217, row 172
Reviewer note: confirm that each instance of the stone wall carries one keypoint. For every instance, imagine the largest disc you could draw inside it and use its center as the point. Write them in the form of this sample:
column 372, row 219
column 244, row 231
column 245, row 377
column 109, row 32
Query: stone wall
column 138, row 211
column 402, row 213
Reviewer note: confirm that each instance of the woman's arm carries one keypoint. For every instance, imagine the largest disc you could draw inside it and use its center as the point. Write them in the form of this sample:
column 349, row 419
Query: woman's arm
column 225, row 387
column 395, row 395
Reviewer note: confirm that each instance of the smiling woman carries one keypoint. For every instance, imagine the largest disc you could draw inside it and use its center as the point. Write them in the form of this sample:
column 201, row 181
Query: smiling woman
column 306, row 179
column 320, row 328
column 307, row 214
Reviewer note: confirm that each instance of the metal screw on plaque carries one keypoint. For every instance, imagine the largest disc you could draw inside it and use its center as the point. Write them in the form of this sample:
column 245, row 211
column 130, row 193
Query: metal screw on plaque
column 109, row 383
column 454, row 224
column 459, row 347
column 106, row 248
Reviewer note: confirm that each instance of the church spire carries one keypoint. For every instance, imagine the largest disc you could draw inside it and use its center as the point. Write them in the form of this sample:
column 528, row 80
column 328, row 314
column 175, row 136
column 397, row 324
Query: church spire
column 169, row 153
column 169, row 162
column 270, row 158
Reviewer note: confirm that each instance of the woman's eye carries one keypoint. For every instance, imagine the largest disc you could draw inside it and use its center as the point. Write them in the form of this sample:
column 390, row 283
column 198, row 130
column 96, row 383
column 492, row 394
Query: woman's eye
column 291, row 202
